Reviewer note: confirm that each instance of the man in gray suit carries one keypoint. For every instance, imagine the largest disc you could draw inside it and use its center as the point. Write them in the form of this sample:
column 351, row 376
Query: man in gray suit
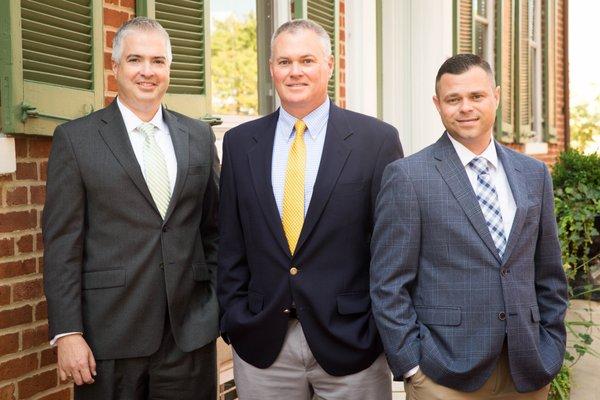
column 131, row 239
column 467, row 284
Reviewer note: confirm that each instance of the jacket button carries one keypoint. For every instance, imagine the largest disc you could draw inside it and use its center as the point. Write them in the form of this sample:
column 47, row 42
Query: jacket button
column 504, row 272
column 164, row 229
column 502, row 316
column 293, row 271
column 161, row 265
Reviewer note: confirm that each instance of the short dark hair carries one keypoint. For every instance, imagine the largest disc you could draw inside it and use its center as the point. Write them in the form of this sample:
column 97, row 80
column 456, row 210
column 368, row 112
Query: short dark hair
column 461, row 63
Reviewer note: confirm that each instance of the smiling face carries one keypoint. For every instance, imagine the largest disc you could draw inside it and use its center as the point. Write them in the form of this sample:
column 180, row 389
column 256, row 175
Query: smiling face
column 300, row 70
column 142, row 73
column 467, row 104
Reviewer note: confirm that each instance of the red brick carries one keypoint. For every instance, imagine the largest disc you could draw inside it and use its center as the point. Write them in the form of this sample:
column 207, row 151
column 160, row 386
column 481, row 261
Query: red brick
column 40, row 147
column 48, row 357
column 7, row 247
column 35, row 337
column 7, row 178
column 17, row 268
column 25, row 244
column 21, row 147
column 15, row 316
column 18, row 220
column 64, row 394
column 7, row 392
column 37, row 383
column 38, row 194
column 111, row 2
column 41, row 310
column 112, row 83
column 4, row 295
column 16, row 196
column 9, row 344
column 114, row 18
column 26, row 170
column 44, row 171
column 107, row 61
column 17, row 367
column 28, row 290
column 110, row 36
column 39, row 242
column 128, row 3
column 108, row 100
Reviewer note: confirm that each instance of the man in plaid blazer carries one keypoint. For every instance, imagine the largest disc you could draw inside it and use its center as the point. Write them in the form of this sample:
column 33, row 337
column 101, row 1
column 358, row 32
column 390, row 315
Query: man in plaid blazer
column 467, row 284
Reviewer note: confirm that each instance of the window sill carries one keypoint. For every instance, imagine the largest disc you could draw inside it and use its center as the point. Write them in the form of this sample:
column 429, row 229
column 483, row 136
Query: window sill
column 534, row 148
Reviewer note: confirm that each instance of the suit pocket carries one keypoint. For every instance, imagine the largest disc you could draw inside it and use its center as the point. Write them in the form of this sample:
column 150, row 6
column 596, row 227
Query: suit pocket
column 353, row 303
column 449, row 316
column 201, row 272
column 103, row 279
column 255, row 302
column 197, row 169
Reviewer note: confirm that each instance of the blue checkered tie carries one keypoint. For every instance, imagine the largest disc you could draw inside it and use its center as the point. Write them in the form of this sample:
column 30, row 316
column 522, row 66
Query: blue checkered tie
column 488, row 200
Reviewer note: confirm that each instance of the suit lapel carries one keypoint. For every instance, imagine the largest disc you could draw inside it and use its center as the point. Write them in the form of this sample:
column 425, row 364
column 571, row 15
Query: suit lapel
column 260, row 158
column 113, row 131
column 455, row 176
column 180, row 137
column 334, row 156
column 518, row 186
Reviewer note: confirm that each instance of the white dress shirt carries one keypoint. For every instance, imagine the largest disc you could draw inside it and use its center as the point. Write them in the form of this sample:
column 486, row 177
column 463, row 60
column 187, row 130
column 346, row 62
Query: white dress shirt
column 163, row 139
column 506, row 201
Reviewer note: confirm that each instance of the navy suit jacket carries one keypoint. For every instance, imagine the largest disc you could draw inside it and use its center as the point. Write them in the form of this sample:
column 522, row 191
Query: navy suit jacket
column 331, row 289
column 442, row 297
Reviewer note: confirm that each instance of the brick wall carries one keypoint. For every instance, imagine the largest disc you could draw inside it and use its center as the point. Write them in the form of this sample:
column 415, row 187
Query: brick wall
column 342, row 55
column 116, row 12
column 27, row 363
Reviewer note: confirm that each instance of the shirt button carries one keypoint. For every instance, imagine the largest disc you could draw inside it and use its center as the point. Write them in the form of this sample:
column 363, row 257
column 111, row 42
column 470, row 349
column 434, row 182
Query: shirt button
column 287, row 311
column 293, row 271
column 502, row 316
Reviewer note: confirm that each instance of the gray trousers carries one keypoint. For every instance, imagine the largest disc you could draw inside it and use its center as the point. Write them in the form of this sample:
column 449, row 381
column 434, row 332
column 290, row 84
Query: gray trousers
column 296, row 375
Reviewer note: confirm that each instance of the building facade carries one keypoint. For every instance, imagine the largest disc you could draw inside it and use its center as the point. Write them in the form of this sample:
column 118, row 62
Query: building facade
column 55, row 66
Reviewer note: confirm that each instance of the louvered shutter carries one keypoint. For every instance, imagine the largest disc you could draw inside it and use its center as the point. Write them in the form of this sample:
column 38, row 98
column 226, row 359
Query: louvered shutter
column 184, row 21
column 323, row 13
column 524, row 74
column 51, row 50
column 504, row 68
column 549, row 70
column 187, row 22
column 464, row 26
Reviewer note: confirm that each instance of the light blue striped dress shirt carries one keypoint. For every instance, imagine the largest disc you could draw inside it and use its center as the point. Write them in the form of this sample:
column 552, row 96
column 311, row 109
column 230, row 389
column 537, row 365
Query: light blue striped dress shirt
column 314, row 138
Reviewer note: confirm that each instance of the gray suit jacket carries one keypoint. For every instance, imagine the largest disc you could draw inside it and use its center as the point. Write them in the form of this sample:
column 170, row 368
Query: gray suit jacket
column 114, row 269
column 442, row 297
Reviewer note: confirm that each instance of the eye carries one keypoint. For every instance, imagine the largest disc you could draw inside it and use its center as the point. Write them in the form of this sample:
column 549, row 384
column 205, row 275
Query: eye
column 283, row 62
column 159, row 61
column 477, row 96
column 453, row 100
column 307, row 61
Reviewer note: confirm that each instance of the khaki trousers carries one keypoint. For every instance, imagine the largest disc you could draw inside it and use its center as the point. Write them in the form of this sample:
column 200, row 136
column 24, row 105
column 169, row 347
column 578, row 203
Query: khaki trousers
column 296, row 375
column 499, row 386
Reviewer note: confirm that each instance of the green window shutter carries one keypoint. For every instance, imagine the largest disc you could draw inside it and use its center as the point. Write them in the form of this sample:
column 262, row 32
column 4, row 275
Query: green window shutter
column 549, row 70
column 523, row 68
column 463, row 26
column 187, row 22
column 324, row 13
column 481, row 21
column 505, row 55
column 49, row 53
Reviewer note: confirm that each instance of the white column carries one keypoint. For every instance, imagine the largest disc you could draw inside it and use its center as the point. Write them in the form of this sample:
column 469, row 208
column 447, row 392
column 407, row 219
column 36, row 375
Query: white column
column 361, row 56
column 417, row 38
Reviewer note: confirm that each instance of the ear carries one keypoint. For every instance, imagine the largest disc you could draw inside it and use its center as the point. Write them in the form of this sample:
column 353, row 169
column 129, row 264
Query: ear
column 271, row 67
column 497, row 91
column 115, row 67
column 331, row 64
column 436, row 101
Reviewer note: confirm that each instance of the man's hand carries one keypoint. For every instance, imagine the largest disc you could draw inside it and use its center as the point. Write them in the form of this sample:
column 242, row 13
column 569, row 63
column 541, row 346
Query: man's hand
column 75, row 359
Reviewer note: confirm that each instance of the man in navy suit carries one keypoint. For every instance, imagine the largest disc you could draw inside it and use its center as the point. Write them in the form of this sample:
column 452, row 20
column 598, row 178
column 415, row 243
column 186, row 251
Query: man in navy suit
column 467, row 283
column 298, row 189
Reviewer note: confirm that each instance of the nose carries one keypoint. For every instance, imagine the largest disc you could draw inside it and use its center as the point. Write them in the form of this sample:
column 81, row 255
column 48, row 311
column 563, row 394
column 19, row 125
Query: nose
column 466, row 106
column 147, row 69
column 296, row 69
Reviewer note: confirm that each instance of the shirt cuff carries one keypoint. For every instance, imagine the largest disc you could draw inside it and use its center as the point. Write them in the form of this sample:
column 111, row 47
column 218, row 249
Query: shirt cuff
column 411, row 372
column 55, row 338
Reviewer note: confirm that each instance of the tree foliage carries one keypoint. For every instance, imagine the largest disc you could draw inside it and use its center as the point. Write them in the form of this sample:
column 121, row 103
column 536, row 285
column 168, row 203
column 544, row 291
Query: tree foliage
column 234, row 65
column 585, row 125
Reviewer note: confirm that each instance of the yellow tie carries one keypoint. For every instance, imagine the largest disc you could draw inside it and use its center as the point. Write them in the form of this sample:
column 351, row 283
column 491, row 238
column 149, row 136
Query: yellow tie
column 293, row 192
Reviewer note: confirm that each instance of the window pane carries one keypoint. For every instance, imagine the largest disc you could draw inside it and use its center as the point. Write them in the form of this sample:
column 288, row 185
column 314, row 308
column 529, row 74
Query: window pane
column 481, row 33
column 482, row 8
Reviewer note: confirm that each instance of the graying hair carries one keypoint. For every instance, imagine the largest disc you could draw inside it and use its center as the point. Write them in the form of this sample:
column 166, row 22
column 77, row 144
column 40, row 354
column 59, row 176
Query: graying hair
column 138, row 24
column 297, row 25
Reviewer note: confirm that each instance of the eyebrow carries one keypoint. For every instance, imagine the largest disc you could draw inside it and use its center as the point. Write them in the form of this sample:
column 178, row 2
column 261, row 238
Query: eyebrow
column 456, row 94
column 140, row 56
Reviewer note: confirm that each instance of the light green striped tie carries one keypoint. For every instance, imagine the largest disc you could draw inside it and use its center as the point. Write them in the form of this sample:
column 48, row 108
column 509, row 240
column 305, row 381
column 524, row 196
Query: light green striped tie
column 157, row 175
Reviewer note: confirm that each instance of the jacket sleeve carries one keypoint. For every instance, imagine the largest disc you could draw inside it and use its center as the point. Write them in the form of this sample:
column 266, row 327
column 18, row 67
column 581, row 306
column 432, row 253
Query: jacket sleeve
column 208, row 225
column 395, row 250
column 63, row 225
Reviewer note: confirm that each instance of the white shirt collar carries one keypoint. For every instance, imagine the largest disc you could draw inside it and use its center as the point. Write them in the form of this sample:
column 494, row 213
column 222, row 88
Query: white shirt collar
column 467, row 155
column 314, row 120
column 132, row 121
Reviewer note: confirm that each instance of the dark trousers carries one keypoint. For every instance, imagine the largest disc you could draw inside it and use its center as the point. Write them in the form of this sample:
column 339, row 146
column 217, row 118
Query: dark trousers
column 168, row 374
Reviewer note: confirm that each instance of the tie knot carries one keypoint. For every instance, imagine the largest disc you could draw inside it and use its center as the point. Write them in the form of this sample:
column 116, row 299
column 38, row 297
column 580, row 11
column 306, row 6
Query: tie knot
column 480, row 165
column 147, row 129
column 300, row 127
